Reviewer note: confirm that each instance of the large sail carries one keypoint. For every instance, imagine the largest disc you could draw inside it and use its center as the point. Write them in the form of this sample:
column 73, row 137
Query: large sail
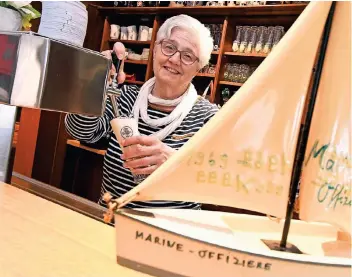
column 326, row 192
column 243, row 156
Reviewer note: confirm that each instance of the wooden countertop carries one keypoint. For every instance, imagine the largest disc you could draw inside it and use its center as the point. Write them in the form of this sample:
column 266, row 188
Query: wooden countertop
column 41, row 238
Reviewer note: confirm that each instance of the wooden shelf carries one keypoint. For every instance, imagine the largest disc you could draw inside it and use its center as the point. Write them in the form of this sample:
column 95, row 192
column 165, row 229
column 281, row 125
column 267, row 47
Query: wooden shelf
column 131, row 41
column 134, row 82
column 287, row 9
column 229, row 17
column 145, row 62
column 206, row 75
column 76, row 143
column 231, row 83
column 245, row 54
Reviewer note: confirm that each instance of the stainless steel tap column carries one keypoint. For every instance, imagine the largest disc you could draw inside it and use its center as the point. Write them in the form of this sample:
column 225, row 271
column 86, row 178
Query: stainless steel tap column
column 42, row 73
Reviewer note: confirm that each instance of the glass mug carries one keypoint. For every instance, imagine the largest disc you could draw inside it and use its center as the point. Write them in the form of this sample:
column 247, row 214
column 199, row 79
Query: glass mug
column 132, row 32
column 114, row 31
column 123, row 128
column 123, row 33
column 143, row 33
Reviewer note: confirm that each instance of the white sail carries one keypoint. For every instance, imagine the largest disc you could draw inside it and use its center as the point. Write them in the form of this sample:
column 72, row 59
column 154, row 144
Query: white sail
column 326, row 192
column 244, row 156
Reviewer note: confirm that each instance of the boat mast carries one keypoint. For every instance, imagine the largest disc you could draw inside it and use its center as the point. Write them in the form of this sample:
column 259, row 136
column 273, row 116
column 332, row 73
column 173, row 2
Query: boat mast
column 302, row 143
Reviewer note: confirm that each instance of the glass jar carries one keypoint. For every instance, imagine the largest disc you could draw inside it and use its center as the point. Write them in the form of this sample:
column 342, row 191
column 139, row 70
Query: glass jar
column 227, row 72
column 243, row 73
column 235, row 77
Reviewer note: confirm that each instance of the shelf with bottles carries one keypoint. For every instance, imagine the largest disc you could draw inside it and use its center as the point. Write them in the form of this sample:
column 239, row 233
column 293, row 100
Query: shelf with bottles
column 132, row 34
column 134, row 31
column 256, row 41
column 220, row 8
column 131, row 4
column 249, row 36
column 236, row 74
column 194, row 4
column 248, row 41
column 224, row 27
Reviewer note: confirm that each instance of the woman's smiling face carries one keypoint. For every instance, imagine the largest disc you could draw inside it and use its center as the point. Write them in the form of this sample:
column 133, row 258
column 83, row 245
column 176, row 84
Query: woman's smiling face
column 171, row 70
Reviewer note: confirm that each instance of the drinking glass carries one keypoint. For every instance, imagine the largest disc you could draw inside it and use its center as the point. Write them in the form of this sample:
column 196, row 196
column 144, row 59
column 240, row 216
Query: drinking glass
column 123, row 128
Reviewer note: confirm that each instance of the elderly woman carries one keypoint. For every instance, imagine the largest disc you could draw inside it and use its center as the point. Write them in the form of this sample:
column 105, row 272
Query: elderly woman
column 167, row 106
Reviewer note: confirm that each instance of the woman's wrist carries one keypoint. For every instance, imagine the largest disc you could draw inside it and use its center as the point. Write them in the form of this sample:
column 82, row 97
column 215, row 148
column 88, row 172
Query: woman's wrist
column 170, row 151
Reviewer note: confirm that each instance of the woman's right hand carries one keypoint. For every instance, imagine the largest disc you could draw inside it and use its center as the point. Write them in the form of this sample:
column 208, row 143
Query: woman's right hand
column 120, row 51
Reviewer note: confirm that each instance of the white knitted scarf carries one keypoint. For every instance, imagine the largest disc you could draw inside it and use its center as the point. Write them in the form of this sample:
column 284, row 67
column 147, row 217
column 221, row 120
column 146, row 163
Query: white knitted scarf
column 170, row 122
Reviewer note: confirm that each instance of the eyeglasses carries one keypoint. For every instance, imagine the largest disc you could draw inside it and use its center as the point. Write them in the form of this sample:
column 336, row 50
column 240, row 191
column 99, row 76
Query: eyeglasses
column 169, row 49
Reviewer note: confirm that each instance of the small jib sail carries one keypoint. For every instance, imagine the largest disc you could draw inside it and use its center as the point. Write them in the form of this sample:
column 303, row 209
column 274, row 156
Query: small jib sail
column 243, row 157
column 326, row 192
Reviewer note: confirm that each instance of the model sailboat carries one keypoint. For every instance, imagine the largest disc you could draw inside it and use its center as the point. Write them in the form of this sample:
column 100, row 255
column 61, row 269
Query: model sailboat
column 245, row 158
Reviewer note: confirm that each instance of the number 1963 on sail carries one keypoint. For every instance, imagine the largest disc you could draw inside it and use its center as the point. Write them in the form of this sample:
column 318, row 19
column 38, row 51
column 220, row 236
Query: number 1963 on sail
column 219, row 169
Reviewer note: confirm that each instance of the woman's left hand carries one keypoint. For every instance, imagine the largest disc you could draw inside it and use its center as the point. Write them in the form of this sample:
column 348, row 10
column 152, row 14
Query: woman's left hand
column 144, row 154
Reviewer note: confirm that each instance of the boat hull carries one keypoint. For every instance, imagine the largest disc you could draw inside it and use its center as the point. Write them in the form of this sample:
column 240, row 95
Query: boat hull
column 158, row 244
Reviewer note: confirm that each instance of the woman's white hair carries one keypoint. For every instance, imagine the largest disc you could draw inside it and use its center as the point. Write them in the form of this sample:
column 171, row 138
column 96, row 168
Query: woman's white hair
column 201, row 33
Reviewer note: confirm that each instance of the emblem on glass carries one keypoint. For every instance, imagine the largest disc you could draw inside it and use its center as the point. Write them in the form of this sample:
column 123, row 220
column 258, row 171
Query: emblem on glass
column 126, row 132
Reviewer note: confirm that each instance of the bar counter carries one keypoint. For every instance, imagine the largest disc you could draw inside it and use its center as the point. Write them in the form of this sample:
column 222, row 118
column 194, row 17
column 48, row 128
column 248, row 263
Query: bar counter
column 41, row 238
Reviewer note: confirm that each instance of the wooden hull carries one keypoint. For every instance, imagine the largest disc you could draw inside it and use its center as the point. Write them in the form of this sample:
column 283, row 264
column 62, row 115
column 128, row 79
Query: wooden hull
column 202, row 243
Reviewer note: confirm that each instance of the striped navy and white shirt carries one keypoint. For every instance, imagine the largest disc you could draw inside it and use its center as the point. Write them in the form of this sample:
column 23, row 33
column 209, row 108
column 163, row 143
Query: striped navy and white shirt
column 118, row 180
